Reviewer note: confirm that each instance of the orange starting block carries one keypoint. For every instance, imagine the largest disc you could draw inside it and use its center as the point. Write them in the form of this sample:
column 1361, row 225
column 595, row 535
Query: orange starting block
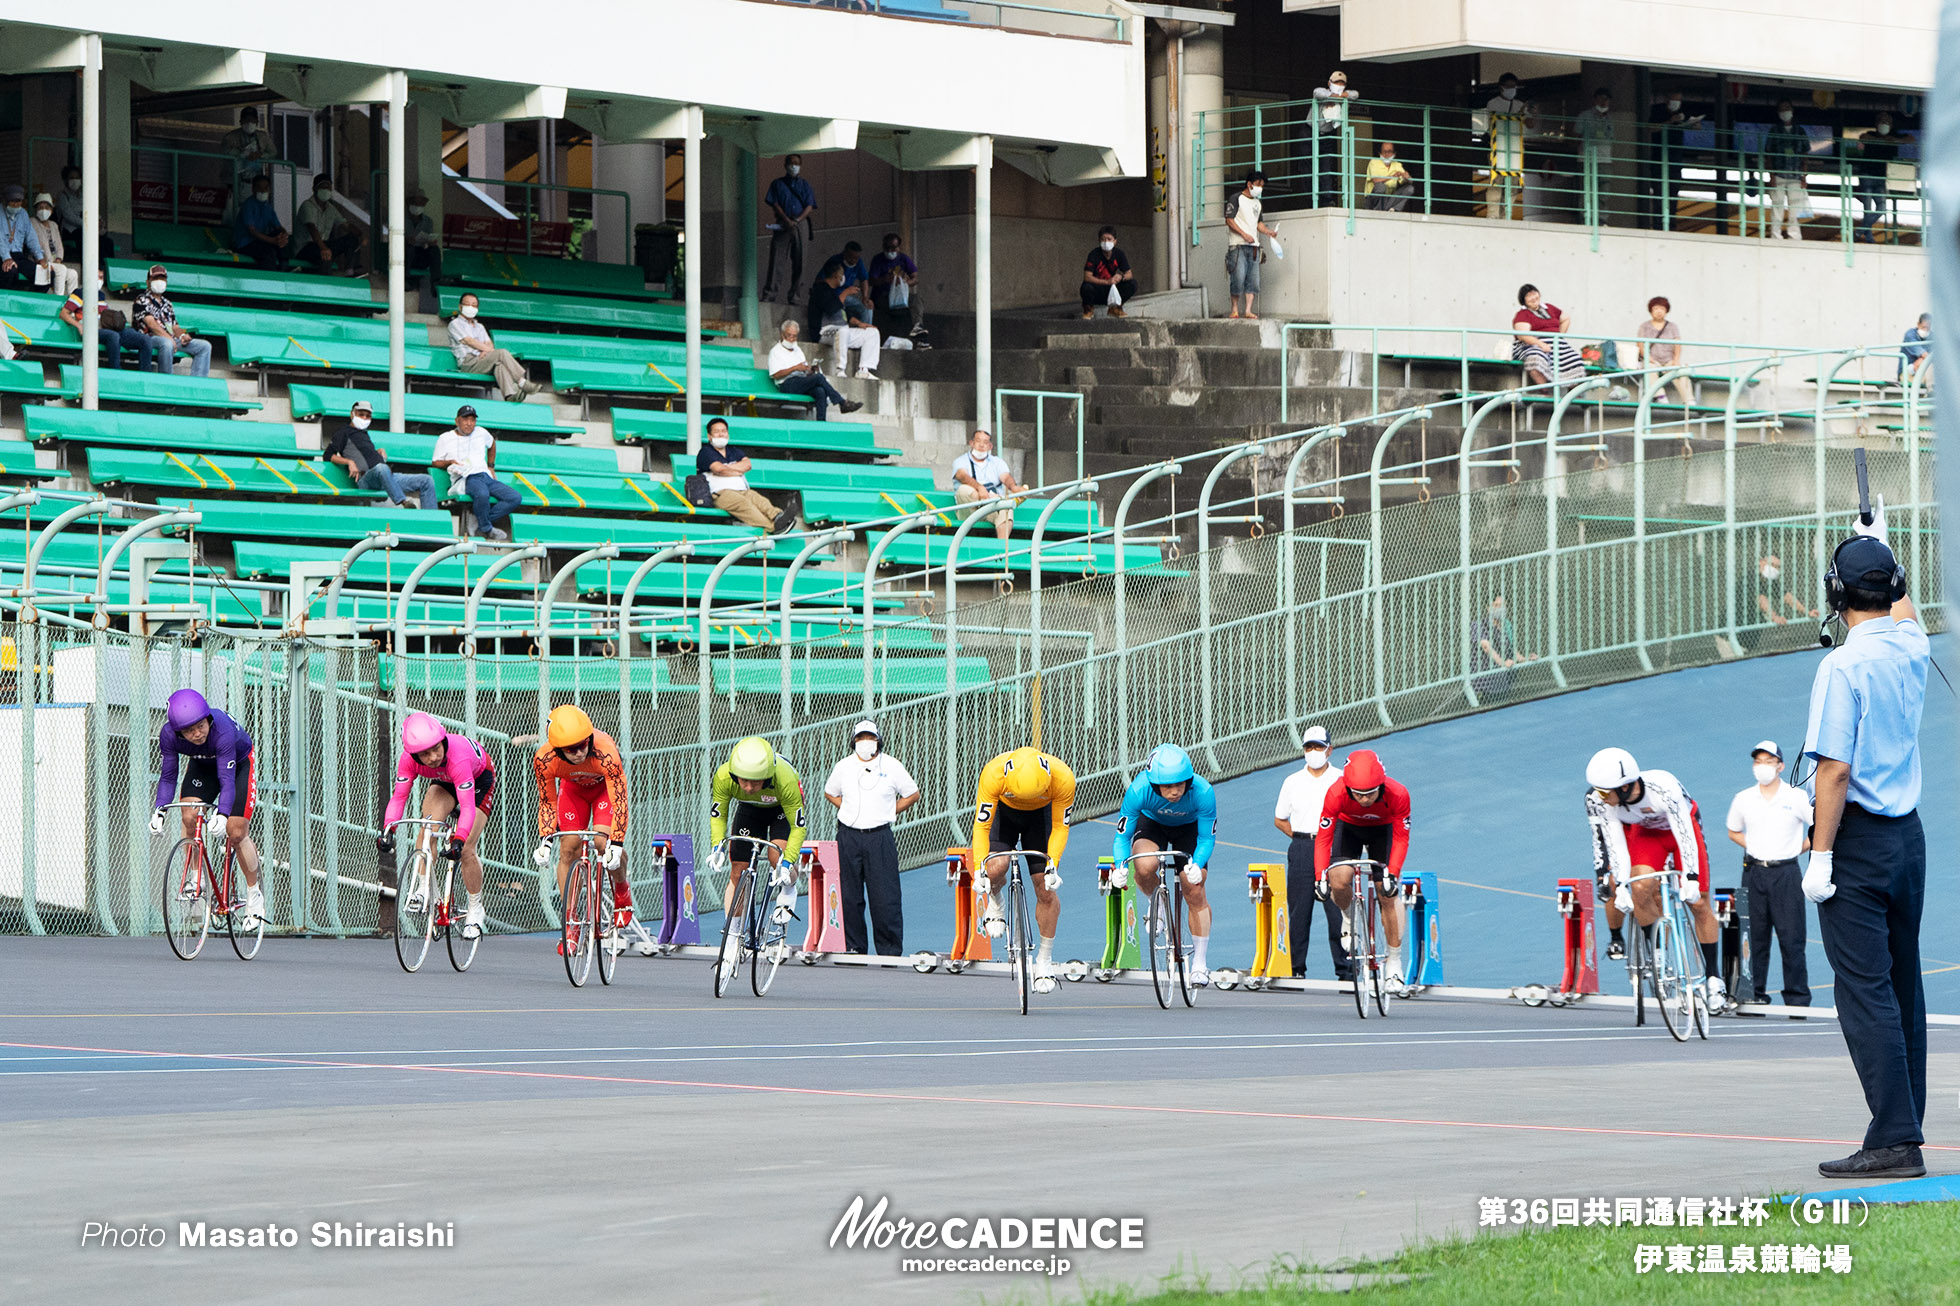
column 1272, row 949
column 969, row 943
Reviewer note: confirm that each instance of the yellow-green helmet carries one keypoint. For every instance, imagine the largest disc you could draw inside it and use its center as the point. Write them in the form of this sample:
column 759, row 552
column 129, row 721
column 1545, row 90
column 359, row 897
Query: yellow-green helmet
column 752, row 759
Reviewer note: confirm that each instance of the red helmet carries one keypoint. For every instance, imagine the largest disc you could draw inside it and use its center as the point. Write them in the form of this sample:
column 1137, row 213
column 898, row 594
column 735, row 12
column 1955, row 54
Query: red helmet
column 1363, row 771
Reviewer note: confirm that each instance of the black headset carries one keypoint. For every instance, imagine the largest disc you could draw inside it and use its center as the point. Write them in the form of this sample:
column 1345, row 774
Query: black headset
column 1837, row 591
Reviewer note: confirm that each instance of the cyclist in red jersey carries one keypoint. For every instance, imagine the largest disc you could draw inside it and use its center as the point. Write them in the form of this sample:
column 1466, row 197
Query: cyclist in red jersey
column 1365, row 815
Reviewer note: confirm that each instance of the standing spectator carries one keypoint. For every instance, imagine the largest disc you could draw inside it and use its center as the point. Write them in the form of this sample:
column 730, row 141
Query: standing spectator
column 794, row 374
column 895, row 277
column 424, row 245
column 1106, row 276
column 1668, row 124
column 1764, row 598
column 1494, row 651
column 1389, row 183
column 980, row 475
column 844, row 322
column 1877, row 149
column 790, row 202
column 1242, row 253
column 469, row 455
column 367, row 466
column 469, row 341
column 68, row 210
column 113, row 330
column 1297, row 816
column 52, row 274
column 1508, row 124
column 256, row 230
column 1658, row 352
column 328, row 240
column 20, row 248
column 1916, row 351
column 1786, row 150
column 727, row 466
column 252, row 147
column 1540, row 343
column 1865, row 708
column 1597, row 134
column 1330, row 131
column 869, row 789
column 157, row 316
column 1771, row 822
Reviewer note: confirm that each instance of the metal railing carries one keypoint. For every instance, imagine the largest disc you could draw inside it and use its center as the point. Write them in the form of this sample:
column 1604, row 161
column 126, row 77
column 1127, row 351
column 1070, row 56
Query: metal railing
column 526, row 212
column 1596, row 172
column 226, row 170
column 1041, row 397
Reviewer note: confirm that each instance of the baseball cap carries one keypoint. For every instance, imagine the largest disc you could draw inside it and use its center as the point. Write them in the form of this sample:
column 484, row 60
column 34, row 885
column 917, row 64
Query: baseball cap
column 362, row 406
column 1315, row 735
column 159, row 270
column 467, row 410
column 15, row 194
column 864, row 728
column 1767, row 746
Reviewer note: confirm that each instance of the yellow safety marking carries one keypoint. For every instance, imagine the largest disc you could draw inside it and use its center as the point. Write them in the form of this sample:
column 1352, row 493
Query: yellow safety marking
column 519, row 476
column 944, row 520
column 668, row 379
column 568, row 489
column 206, row 460
column 309, row 353
column 308, row 465
column 16, row 330
column 671, row 490
column 201, row 482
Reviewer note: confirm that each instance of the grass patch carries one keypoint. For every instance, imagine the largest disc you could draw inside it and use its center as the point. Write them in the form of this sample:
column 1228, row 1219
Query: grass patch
column 1905, row 1255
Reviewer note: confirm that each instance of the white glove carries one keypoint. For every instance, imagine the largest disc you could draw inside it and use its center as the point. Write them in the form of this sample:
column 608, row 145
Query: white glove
column 1054, row 880
column 611, row 860
column 1623, row 899
column 1817, row 884
column 1877, row 529
column 1194, row 874
column 1119, row 877
column 542, row 856
column 214, row 824
column 1690, row 891
column 156, row 821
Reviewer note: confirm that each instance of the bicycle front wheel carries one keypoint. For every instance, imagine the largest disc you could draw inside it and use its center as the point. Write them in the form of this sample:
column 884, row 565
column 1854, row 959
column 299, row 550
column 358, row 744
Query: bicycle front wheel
column 1020, row 964
column 773, row 945
column 1377, row 945
column 1361, row 954
column 1180, row 945
column 576, row 928
column 1159, row 940
column 415, row 910
column 1670, row 983
column 247, row 932
column 186, row 898
column 611, row 938
column 462, row 951
column 733, row 922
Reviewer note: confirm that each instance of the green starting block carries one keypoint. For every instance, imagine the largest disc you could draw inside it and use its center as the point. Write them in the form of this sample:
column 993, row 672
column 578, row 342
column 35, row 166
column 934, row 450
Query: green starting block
column 1123, row 913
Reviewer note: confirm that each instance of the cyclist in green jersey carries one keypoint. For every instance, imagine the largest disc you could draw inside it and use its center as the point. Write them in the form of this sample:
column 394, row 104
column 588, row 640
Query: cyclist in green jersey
column 758, row 794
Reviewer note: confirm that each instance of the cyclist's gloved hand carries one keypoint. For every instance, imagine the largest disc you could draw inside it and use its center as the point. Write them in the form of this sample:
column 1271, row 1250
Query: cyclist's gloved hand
column 1817, row 884
column 1623, row 899
column 1193, row 874
column 156, row 821
column 611, row 860
column 1877, row 529
column 454, row 852
column 1320, row 887
column 384, row 841
column 1690, row 891
column 542, row 856
column 215, row 822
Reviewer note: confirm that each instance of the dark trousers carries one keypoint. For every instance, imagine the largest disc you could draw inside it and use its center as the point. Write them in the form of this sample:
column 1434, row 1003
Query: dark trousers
column 1776, row 904
column 492, row 499
column 812, row 383
column 786, row 249
column 867, row 867
column 1094, row 296
column 1871, row 935
column 1300, row 907
column 264, row 254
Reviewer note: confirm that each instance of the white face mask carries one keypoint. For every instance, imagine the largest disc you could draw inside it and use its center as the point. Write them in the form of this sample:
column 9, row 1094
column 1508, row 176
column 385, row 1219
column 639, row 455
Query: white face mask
column 1672, row 105
column 323, row 194
column 1510, row 92
column 360, row 423
column 1771, row 573
column 75, row 184
column 867, row 749
column 794, row 169
column 261, row 195
column 719, row 441
column 415, row 210
column 43, row 214
column 1785, row 115
column 157, row 285
column 1108, row 245
column 1602, row 109
column 1885, row 129
column 1497, row 612
column 1317, row 759
column 1765, row 772
column 1256, row 191
column 469, row 310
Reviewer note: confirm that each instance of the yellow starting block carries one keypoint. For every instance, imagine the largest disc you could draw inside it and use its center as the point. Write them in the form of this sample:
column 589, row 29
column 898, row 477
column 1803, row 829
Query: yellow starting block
column 1272, row 954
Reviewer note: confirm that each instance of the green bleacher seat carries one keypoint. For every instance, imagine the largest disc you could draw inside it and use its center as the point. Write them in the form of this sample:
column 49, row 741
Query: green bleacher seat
column 227, row 320
column 517, row 612
column 730, row 362
column 250, row 283
column 981, row 551
column 565, row 675
column 617, row 492
column 23, row 378
column 49, row 424
column 242, row 519
column 288, row 477
column 856, row 439
column 843, row 506
column 843, row 675
column 251, row 350
column 331, row 404
column 683, row 581
column 411, row 449
column 122, row 385
column 590, row 532
column 169, row 243
column 638, row 379
column 553, row 275
column 257, row 560
column 38, row 325
column 586, row 313
column 1662, row 409
column 772, row 475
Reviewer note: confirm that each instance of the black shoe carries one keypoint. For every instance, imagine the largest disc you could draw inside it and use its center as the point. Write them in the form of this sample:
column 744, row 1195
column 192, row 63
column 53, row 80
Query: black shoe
column 784, row 524
column 1901, row 1162
column 1616, row 951
column 849, row 406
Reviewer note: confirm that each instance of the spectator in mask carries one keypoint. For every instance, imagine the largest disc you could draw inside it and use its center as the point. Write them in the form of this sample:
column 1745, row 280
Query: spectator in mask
column 1786, row 151
column 256, row 231
column 156, row 316
column 113, row 331
column 1389, row 183
column 1506, row 112
column 252, row 147
column 1242, row 253
column 1668, row 126
column 1770, row 821
column 869, row 789
column 1877, row 149
column 327, row 239
column 51, row 274
column 367, row 466
column 1297, row 816
column 893, row 269
column 1766, row 599
column 20, row 248
column 1916, row 352
column 68, row 209
column 843, row 321
column 790, row 202
column 980, row 475
column 726, row 466
column 795, row 374
column 1330, row 130
column 1494, row 650
column 1107, row 270
column 470, row 342
column 424, row 246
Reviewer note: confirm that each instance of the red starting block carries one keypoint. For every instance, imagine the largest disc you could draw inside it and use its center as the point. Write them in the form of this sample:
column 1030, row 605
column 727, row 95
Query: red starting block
column 680, row 912
column 819, row 862
column 970, row 944
column 1575, row 909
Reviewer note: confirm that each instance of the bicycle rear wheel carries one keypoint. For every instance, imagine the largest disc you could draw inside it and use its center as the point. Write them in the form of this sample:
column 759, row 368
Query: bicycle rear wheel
column 608, row 941
column 1670, row 984
column 415, row 910
column 247, row 932
column 186, row 898
column 1639, row 958
column 1378, row 944
column 462, row 951
column 1358, row 944
column 1180, row 952
column 577, row 930
column 1020, row 964
column 1159, row 944
column 734, row 920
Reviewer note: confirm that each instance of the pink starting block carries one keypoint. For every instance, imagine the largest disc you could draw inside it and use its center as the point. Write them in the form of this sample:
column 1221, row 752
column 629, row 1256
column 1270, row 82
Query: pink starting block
column 819, row 862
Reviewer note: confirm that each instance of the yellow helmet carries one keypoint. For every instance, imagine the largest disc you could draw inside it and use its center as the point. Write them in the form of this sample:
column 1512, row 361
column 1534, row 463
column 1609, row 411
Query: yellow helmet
column 1028, row 776
column 569, row 727
column 752, row 759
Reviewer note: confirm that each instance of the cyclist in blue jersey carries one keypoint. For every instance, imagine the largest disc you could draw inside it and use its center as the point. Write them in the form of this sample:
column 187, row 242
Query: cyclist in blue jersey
column 217, row 755
column 1169, row 805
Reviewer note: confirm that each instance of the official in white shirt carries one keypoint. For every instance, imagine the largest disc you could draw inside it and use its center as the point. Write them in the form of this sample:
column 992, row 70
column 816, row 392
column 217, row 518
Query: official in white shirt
column 1297, row 816
column 1771, row 821
column 869, row 789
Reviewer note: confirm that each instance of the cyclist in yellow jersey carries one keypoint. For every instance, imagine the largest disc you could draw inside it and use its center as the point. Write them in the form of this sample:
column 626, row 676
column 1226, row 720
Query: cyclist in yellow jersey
column 756, row 793
column 1026, row 799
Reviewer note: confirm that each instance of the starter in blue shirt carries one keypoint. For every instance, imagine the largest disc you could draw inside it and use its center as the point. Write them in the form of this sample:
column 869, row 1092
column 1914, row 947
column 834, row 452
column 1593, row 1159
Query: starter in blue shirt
column 1199, row 803
column 1865, row 706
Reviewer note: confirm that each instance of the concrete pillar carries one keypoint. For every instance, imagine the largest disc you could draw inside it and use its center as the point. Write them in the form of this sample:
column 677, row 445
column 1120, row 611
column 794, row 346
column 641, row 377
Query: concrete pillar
column 91, row 116
column 747, row 205
column 640, row 169
column 1201, row 90
column 1157, row 110
column 118, row 165
column 397, row 210
column 983, row 281
column 691, row 206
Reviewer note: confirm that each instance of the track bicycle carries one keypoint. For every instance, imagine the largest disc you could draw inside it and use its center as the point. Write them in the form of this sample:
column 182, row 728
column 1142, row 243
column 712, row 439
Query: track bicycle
column 1366, row 941
column 1167, row 931
column 1658, row 958
column 194, row 891
column 1016, row 922
column 585, row 924
column 753, row 925
column 421, row 913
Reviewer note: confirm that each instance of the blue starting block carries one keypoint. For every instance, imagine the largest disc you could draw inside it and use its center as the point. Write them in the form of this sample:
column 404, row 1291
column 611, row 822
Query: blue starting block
column 680, row 907
column 1425, row 950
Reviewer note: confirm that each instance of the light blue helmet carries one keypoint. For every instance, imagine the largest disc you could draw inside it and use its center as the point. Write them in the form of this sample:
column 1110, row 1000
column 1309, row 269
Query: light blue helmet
column 1169, row 765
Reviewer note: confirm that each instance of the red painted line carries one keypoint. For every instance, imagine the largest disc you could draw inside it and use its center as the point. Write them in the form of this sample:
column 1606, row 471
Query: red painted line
column 866, row 1095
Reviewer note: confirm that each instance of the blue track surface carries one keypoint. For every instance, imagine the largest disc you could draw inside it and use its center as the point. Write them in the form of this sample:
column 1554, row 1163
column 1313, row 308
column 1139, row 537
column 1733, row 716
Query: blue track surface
column 1499, row 816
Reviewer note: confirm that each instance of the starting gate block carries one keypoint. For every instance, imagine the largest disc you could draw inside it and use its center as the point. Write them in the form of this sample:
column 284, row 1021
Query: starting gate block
column 1734, row 950
column 680, row 909
column 819, row 862
column 1123, row 914
column 1575, row 909
column 1272, row 949
column 1425, row 916
column 970, row 943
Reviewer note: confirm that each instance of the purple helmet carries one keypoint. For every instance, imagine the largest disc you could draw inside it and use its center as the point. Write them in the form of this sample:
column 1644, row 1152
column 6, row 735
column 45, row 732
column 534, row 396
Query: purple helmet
column 187, row 707
column 422, row 732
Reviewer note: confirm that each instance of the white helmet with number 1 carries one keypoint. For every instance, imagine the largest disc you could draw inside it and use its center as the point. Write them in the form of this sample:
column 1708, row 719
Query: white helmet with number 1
column 1611, row 768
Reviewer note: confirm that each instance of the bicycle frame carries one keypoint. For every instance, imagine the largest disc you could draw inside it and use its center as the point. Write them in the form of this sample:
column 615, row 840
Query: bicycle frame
column 219, row 886
column 1170, row 870
column 1658, row 967
column 1365, row 912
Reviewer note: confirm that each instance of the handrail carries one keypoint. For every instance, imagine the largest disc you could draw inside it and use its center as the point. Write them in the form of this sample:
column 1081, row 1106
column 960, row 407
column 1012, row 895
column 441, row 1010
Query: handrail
column 812, row 543
column 125, row 538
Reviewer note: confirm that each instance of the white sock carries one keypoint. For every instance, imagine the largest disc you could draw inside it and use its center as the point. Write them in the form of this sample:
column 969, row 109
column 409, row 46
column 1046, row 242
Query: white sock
column 1395, row 961
column 475, row 899
column 1199, row 943
column 1047, row 953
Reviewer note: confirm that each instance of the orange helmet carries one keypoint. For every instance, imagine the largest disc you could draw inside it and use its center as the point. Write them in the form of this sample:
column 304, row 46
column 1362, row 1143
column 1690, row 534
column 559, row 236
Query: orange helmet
column 568, row 727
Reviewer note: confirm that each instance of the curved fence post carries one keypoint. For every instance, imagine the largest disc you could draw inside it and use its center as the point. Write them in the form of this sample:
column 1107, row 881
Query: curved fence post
column 1643, row 431
column 161, row 521
column 705, row 648
column 910, row 521
column 1463, row 467
column 470, row 608
column 1206, row 654
column 1066, row 493
column 1378, row 596
column 625, row 628
column 1554, row 487
column 547, row 603
column 1149, row 474
column 952, row 636
column 1729, row 434
column 1290, row 563
column 811, row 545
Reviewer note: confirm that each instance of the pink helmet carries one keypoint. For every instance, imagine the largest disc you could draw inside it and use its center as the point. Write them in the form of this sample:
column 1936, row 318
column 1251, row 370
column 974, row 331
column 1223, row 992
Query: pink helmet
column 422, row 732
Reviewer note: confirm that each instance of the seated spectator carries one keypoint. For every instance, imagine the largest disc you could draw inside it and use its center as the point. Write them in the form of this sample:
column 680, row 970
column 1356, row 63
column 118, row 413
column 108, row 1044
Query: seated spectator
column 1389, row 183
column 157, row 317
column 1916, row 352
column 1656, row 353
column 469, row 341
column 20, row 248
column 469, row 455
column 68, row 209
column 857, row 275
column 327, row 239
column 1106, row 276
column 726, row 466
column 252, row 146
column 979, row 475
column 52, row 274
column 424, row 244
column 367, row 466
column 794, row 374
column 1540, row 343
column 844, row 322
column 1494, row 651
column 1765, row 598
column 256, row 232
column 893, row 270
column 112, row 328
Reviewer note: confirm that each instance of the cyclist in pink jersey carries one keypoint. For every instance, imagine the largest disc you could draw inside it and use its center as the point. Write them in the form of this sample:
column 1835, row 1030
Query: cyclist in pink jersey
column 462, row 781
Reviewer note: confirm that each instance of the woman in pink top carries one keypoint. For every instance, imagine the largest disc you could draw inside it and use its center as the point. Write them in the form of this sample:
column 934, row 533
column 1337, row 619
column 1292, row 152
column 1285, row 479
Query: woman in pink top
column 461, row 780
column 1658, row 352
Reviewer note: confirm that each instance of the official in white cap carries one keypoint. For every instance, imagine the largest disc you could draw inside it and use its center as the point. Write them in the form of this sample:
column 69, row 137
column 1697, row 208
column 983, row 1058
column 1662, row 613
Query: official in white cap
column 1771, row 821
column 869, row 789
column 1297, row 816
